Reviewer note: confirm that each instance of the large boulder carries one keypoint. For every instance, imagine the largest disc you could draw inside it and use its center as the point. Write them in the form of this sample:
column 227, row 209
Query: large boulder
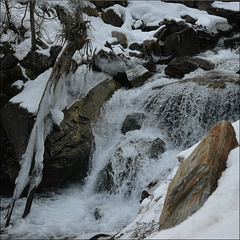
column 68, row 147
column 180, row 66
column 198, row 175
column 182, row 43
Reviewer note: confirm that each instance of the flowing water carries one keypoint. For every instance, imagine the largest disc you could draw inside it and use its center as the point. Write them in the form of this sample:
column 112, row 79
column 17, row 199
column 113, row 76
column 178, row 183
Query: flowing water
column 122, row 164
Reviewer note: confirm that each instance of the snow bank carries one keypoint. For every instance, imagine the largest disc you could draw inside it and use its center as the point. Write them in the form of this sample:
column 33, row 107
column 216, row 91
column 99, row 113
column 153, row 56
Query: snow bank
column 233, row 6
column 31, row 95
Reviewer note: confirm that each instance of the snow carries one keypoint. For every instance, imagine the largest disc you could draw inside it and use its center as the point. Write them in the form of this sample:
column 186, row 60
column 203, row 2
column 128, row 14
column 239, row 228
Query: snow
column 233, row 6
column 60, row 214
column 31, row 95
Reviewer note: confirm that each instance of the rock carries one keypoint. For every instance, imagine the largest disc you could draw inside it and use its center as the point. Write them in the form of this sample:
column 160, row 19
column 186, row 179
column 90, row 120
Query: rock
column 90, row 11
column 224, row 29
column 233, row 17
column 157, row 148
column 207, row 40
column 180, row 66
column 189, row 19
column 121, row 77
column 35, row 64
column 233, row 42
column 8, row 77
column 138, row 75
column 69, row 146
column 150, row 66
column 198, row 175
column 106, row 4
column 125, row 164
column 111, row 17
column 132, row 122
column 182, row 43
column 8, row 61
column 18, row 123
column 109, row 63
column 144, row 195
column 121, row 37
column 135, row 46
column 152, row 49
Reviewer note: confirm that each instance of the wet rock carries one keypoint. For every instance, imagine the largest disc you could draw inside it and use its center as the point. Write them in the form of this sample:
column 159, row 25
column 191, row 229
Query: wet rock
column 68, row 147
column 232, row 42
column 182, row 43
column 132, row 122
column 121, row 77
column 97, row 214
column 110, row 17
column 224, row 29
column 150, row 66
column 178, row 67
column 198, row 175
column 125, row 164
column 158, row 147
column 207, row 40
column 138, row 75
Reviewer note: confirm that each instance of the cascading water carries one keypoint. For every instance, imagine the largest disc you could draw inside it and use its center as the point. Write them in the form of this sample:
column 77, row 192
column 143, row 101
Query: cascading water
column 179, row 114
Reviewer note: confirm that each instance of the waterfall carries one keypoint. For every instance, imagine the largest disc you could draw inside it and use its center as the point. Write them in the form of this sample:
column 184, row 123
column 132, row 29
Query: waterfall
column 177, row 113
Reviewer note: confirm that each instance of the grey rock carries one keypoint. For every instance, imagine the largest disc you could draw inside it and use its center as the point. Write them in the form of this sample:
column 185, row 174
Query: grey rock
column 132, row 122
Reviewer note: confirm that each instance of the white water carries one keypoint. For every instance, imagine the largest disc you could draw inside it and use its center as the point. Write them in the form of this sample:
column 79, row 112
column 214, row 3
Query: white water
column 72, row 212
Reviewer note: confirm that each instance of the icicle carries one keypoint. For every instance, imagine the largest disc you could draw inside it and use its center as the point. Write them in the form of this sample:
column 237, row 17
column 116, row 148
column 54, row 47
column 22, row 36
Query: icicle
column 32, row 160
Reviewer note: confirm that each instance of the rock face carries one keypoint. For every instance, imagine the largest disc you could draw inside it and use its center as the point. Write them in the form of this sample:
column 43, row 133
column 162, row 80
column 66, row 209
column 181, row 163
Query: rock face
column 198, row 175
column 68, row 147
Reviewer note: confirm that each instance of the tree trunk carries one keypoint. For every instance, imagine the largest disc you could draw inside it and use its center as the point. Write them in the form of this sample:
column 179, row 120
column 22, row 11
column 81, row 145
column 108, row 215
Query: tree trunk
column 32, row 23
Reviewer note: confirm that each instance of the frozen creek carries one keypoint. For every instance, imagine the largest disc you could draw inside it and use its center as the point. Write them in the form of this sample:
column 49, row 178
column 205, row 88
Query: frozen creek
column 79, row 211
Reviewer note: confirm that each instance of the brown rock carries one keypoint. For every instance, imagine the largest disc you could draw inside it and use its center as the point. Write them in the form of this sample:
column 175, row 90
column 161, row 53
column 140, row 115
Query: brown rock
column 198, row 175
